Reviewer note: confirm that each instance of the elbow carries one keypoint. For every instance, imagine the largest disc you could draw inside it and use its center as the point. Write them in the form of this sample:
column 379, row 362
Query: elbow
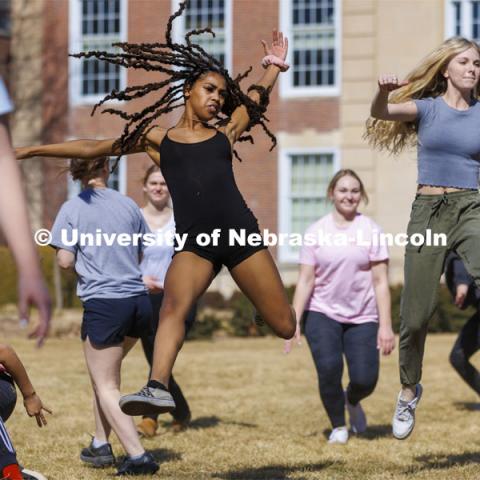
column 65, row 264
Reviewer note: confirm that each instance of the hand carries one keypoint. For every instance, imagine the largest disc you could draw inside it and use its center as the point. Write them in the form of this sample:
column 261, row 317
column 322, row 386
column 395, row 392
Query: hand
column 279, row 46
column 34, row 406
column 289, row 343
column 152, row 283
column 389, row 82
column 33, row 291
column 385, row 339
column 21, row 153
column 461, row 294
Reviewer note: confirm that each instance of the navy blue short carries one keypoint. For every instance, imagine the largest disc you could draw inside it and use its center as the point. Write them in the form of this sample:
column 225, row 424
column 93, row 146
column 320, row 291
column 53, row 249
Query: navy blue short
column 107, row 321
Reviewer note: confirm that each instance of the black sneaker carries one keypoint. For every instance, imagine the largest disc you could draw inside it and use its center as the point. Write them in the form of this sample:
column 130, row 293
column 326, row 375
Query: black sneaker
column 146, row 464
column 31, row 475
column 98, row 457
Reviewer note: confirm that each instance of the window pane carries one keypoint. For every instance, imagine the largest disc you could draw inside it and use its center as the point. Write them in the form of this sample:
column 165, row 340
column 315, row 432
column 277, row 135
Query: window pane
column 313, row 35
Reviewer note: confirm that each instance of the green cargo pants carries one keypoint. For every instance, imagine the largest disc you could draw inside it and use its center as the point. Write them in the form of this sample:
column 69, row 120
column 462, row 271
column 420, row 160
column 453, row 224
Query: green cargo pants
column 457, row 215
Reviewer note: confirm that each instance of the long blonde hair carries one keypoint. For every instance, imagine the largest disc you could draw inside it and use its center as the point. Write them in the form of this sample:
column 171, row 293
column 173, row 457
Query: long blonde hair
column 426, row 80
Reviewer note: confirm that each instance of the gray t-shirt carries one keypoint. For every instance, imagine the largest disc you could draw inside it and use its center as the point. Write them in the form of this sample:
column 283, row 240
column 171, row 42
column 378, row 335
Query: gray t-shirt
column 104, row 271
column 448, row 144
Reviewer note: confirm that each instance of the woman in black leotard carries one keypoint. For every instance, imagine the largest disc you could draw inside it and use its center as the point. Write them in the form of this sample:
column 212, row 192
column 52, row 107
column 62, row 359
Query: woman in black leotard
column 196, row 160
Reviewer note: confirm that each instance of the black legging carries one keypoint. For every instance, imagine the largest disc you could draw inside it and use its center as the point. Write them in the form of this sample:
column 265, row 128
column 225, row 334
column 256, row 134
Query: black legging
column 182, row 410
column 467, row 343
column 329, row 340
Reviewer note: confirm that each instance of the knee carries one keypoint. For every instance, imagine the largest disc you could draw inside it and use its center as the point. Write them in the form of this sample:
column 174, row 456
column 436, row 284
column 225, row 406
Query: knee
column 365, row 385
column 286, row 325
column 457, row 358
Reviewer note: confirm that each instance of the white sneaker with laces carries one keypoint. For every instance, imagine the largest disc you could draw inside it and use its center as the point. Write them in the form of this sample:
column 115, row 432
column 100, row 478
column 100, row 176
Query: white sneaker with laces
column 358, row 420
column 339, row 435
column 404, row 417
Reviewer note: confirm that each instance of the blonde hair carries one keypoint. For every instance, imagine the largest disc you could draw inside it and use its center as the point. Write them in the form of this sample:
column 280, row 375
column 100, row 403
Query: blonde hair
column 426, row 80
column 346, row 172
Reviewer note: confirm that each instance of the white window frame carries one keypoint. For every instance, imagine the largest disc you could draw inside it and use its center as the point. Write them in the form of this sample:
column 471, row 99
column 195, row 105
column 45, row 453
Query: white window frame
column 287, row 89
column 465, row 19
column 178, row 30
column 285, row 253
column 74, row 186
column 75, row 46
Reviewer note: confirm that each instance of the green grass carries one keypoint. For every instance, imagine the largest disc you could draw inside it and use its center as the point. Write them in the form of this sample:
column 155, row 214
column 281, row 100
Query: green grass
column 256, row 416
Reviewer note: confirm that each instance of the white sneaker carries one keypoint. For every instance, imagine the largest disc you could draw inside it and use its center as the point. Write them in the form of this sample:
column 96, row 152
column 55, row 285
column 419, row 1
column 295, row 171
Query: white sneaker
column 404, row 417
column 358, row 420
column 339, row 435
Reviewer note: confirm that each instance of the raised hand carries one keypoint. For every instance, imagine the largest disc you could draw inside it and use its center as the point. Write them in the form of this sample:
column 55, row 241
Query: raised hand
column 389, row 82
column 279, row 46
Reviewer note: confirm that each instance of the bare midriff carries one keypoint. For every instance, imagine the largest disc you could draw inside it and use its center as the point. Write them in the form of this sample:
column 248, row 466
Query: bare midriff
column 432, row 190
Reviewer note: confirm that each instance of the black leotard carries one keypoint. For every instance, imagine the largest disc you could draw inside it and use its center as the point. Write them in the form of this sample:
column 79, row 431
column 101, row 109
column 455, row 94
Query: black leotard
column 205, row 196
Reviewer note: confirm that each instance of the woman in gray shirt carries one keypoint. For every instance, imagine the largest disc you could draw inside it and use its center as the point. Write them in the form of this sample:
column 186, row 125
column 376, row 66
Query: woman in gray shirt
column 437, row 107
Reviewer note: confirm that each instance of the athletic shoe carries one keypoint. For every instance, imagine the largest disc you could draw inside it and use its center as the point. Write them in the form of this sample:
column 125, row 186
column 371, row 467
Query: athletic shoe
column 147, row 427
column 147, row 401
column 98, row 457
column 358, row 420
column 404, row 418
column 339, row 435
column 181, row 425
column 144, row 465
column 31, row 475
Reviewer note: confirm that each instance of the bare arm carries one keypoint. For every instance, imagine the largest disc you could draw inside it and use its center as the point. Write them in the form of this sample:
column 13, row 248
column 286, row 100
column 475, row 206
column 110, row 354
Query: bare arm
column 65, row 258
column 381, row 109
column 9, row 359
column 16, row 227
column 240, row 118
column 386, row 338
column 303, row 292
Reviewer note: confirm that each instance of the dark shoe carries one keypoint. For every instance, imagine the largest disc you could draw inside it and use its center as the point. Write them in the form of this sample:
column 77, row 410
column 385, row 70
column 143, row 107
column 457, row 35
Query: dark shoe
column 143, row 466
column 179, row 425
column 31, row 475
column 148, row 401
column 98, row 457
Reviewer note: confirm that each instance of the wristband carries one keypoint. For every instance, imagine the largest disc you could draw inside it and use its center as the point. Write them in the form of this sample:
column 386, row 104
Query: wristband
column 274, row 60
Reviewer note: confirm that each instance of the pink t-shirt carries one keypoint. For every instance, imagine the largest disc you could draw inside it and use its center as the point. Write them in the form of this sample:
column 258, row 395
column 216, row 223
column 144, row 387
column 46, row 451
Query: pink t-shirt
column 343, row 287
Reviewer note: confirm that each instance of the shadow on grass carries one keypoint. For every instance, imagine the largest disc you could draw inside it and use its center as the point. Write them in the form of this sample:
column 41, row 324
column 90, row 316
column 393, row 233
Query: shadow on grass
column 210, row 422
column 273, row 472
column 441, row 461
column 163, row 455
column 373, row 432
column 470, row 406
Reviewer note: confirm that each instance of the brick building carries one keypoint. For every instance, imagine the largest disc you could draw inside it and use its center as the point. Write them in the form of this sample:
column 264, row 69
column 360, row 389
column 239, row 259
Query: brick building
column 317, row 111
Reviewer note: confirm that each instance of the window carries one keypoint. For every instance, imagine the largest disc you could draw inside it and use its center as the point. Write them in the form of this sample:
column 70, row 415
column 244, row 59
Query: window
column 216, row 14
column 5, row 23
column 304, row 176
column 463, row 18
column 312, row 27
column 117, row 180
column 95, row 25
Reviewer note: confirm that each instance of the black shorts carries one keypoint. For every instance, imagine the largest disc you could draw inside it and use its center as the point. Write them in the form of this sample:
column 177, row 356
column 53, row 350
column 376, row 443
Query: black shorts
column 107, row 321
column 8, row 396
column 226, row 252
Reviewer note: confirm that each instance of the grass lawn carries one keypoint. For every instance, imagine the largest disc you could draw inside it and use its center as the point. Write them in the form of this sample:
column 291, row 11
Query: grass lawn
column 256, row 415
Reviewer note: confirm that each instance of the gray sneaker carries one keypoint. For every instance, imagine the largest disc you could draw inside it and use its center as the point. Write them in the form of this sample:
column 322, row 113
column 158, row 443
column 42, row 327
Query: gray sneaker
column 148, row 401
column 404, row 418
column 358, row 419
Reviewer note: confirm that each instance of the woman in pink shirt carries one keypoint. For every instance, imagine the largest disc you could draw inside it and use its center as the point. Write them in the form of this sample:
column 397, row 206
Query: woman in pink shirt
column 343, row 290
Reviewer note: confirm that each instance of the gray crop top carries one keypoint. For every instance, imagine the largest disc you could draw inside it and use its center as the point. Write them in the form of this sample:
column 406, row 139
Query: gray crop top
column 448, row 144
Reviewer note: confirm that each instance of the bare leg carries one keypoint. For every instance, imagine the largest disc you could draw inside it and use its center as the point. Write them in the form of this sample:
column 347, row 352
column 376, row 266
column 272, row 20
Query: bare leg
column 187, row 278
column 258, row 278
column 102, row 427
column 104, row 368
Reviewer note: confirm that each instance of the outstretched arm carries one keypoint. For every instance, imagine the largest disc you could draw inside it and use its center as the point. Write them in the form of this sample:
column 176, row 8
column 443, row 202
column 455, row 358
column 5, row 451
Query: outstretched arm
column 381, row 109
column 240, row 118
column 75, row 148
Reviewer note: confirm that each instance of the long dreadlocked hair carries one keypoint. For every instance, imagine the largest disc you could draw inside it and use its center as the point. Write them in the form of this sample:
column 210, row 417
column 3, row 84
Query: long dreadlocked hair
column 183, row 65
